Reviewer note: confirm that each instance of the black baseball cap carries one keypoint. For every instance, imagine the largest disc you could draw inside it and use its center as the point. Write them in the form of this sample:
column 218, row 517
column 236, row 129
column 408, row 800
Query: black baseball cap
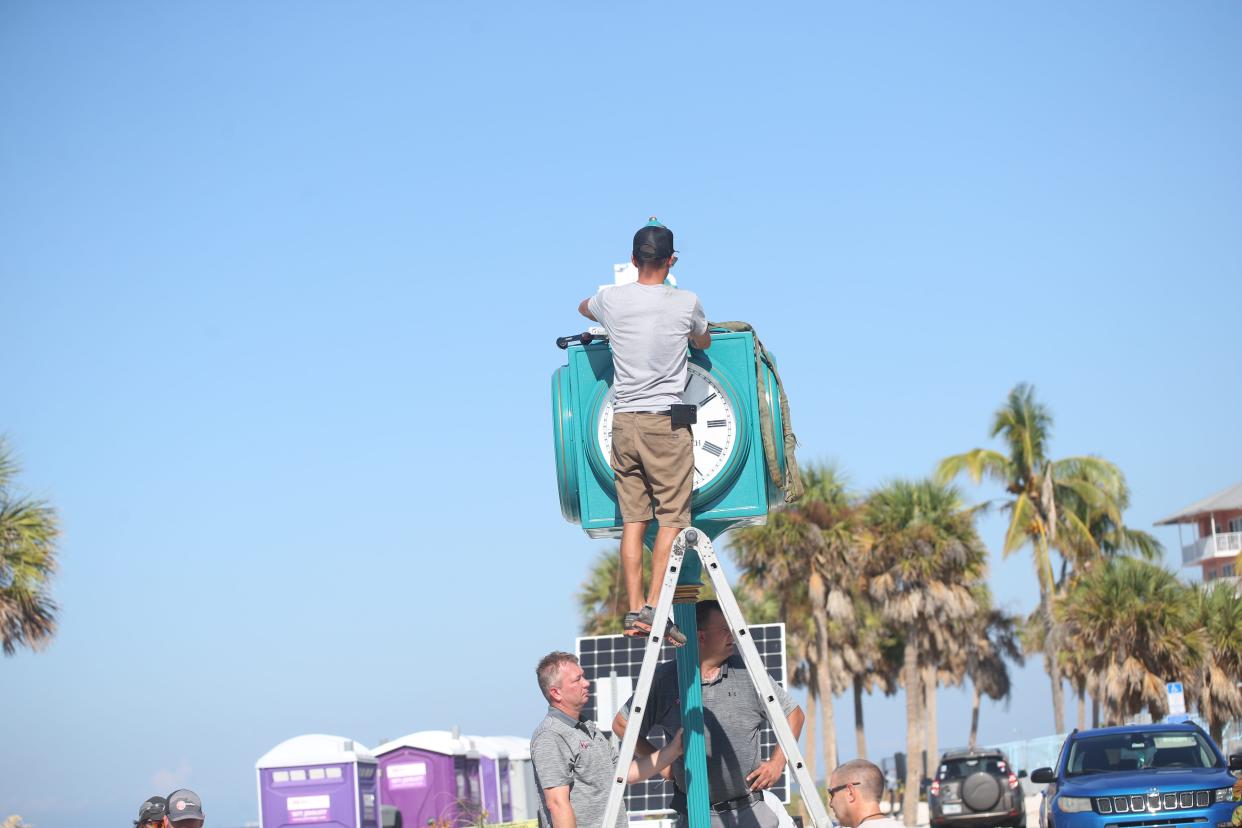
column 653, row 242
column 154, row 808
column 184, row 804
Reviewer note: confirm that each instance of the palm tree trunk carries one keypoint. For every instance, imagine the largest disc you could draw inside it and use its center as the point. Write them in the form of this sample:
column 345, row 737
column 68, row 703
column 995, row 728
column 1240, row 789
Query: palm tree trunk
column 1217, row 728
column 860, row 737
column 914, row 733
column 1043, row 565
column 1082, row 708
column 929, row 708
column 1095, row 709
column 818, row 595
column 974, row 715
column 812, row 720
column 828, row 725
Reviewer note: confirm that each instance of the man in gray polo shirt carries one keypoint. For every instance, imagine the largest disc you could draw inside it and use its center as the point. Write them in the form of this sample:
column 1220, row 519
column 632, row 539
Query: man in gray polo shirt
column 573, row 760
column 733, row 718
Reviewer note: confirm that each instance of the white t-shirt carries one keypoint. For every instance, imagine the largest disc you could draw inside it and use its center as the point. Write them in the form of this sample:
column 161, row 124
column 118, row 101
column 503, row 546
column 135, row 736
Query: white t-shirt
column 885, row 821
column 648, row 328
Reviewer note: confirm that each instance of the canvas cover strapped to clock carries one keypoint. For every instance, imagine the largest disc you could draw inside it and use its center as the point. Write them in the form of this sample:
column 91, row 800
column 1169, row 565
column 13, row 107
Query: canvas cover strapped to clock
column 791, row 483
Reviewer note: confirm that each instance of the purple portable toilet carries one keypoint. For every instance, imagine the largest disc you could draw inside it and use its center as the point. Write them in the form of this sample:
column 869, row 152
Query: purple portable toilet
column 318, row 780
column 494, row 774
column 430, row 775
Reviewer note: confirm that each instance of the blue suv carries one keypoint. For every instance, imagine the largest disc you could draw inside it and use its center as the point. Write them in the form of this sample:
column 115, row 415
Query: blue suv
column 1140, row 776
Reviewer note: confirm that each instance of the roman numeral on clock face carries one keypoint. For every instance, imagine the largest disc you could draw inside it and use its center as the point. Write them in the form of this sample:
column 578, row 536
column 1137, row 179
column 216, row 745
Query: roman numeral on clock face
column 712, row 448
column 716, row 423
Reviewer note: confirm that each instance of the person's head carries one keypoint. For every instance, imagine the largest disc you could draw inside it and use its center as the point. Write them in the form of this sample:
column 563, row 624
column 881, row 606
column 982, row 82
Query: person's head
column 653, row 251
column 185, row 810
column 562, row 682
column 151, row 813
column 715, row 637
column 854, row 791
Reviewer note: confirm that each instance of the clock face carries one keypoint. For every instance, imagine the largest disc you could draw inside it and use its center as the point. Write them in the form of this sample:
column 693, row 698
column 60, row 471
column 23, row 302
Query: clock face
column 715, row 433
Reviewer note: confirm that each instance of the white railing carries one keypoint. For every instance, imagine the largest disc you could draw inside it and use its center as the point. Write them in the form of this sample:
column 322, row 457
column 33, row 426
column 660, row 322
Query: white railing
column 1223, row 545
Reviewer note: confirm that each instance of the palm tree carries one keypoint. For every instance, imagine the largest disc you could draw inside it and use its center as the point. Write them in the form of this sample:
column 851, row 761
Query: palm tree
column 602, row 601
column 28, row 533
column 601, row 597
column 871, row 651
column 1218, row 610
column 810, row 546
column 1037, row 486
column 923, row 557
column 1106, row 536
column 1138, row 625
column 991, row 641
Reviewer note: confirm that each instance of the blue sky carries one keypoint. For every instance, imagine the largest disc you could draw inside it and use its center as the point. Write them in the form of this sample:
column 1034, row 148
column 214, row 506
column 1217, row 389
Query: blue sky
column 280, row 283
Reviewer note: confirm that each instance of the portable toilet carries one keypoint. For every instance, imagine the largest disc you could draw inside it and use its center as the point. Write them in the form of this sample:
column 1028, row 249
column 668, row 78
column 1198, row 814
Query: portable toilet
column 317, row 779
column 523, row 793
column 430, row 775
column 494, row 774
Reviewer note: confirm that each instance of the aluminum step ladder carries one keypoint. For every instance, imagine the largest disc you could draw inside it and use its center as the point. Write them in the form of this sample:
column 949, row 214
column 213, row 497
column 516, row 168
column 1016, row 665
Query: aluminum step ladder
column 696, row 542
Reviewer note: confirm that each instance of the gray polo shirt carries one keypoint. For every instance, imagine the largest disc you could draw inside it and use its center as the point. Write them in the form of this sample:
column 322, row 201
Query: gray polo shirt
column 577, row 754
column 733, row 719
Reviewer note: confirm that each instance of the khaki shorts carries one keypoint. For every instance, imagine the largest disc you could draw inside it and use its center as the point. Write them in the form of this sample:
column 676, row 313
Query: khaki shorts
column 653, row 466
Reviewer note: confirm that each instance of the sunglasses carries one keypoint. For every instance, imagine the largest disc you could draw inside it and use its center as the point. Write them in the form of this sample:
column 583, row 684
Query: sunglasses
column 836, row 789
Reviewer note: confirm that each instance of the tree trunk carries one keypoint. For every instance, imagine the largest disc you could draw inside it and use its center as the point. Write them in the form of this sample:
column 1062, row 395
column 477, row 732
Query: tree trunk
column 1217, row 728
column 1043, row 566
column 811, row 731
column 1095, row 709
column 929, row 708
column 818, row 595
column 974, row 715
column 860, row 737
column 914, row 733
column 1082, row 708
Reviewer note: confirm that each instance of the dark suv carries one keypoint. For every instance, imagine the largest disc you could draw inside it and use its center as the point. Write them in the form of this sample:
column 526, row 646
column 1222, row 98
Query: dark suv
column 976, row 788
column 1140, row 776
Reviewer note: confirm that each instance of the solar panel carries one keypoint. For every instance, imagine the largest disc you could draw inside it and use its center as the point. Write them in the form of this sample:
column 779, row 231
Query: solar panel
column 602, row 655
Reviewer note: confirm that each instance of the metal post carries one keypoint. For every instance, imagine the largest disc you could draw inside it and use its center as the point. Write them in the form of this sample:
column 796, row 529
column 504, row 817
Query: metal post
column 690, row 681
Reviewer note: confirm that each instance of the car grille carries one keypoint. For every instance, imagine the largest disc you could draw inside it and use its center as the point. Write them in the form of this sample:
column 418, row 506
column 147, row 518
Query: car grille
column 1165, row 822
column 1146, row 803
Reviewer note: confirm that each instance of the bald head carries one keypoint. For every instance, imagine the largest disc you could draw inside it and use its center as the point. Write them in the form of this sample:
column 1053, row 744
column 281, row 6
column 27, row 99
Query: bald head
column 862, row 787
column 869, row 778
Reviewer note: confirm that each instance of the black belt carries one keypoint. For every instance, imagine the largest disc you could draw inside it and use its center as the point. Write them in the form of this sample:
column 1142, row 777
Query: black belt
column 738, row 802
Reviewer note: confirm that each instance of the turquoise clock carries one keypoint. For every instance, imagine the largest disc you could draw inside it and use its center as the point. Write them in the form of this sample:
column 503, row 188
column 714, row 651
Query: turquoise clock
column 732, row 484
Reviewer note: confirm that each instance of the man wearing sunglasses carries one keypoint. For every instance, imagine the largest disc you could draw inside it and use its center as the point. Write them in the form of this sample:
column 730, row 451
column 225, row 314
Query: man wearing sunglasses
column 733, row 720
column 854, row 793
column 151, row 813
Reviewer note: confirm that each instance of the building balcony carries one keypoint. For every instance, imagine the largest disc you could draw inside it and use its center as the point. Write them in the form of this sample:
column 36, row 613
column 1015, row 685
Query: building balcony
column 1221, row 545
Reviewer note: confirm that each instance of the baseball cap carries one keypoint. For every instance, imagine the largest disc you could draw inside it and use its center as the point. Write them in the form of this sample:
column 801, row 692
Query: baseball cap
column 653, row 242
column 184, row 804
column 154, row 808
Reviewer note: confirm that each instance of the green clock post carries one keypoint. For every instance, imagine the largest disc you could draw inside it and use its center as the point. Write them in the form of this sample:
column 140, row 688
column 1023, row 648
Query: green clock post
column 739, row 466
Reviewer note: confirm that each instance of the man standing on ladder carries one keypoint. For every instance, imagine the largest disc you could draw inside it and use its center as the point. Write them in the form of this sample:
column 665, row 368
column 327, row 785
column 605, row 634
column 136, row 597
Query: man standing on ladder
column 649, row 324
column 733, row 718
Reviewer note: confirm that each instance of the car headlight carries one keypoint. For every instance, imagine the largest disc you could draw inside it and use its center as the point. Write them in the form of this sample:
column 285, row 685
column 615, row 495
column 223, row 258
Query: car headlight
column 1074, row 804
column 1224, row 794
